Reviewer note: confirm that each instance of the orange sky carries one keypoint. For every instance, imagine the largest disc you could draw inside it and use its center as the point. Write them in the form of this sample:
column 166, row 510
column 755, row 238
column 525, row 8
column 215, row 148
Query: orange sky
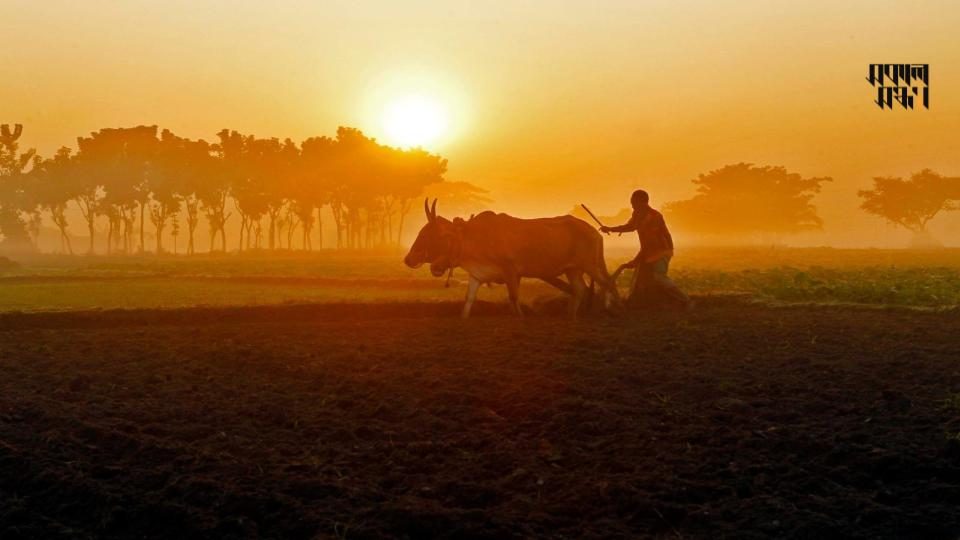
column 554, row 103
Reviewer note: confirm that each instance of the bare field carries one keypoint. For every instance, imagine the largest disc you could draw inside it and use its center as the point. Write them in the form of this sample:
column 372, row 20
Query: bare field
column 344, row 398
column 399, row 420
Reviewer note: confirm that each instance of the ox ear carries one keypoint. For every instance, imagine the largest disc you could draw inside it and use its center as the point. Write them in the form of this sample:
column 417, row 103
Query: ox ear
column 433, row 209
column 426, row 209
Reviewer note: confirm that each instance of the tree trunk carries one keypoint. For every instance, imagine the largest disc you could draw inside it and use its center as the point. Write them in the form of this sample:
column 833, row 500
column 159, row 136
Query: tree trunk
column 90, row 227
column 109, row 235
column 243, row 225
column 319, row 229
column 273, row 230
column 66, row 238
column 142, row 244
column 192, row 221
column 404, row 210
column 160, row 238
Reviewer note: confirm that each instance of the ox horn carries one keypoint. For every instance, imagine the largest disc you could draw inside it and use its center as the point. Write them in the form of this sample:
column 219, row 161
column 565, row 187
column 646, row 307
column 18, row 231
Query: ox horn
column 433, row 209
column 426, row 209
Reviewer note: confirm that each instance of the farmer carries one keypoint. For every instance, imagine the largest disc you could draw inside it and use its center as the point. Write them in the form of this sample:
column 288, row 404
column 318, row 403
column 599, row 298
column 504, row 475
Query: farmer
column 656, row 249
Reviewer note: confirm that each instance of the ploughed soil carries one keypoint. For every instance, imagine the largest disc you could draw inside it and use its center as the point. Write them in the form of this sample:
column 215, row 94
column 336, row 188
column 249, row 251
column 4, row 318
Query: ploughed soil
column 402, row 421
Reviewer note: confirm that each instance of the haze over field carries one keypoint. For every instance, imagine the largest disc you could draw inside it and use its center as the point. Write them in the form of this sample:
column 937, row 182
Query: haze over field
column 546, row 104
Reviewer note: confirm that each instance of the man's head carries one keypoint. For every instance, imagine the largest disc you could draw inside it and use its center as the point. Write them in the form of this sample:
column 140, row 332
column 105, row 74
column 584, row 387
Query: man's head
column 433, row 244
column 640, row 199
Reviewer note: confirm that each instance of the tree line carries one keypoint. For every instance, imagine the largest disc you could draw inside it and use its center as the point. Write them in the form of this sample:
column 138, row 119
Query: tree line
column 271, row 190
column 268, row 189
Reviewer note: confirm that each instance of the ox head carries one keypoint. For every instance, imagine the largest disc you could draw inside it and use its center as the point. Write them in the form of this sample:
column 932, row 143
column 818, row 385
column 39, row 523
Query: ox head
column 434, row 243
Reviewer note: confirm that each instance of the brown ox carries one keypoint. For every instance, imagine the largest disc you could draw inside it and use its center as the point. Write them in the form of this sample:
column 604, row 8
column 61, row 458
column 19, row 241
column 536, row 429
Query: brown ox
column 497, row 248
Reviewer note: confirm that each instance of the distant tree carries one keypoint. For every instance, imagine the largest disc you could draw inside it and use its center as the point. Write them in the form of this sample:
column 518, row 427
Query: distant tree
column 197, row 179
column 458, row 198
column 183, row 171
column 167, row 182
column 420, row 172
column 121, row 175
column 233, row 182
column 122, row 160
column 354, row 188
column 87, row 193
column 257, row 188
column 279, row 189
column 14, row 197
column 56, row 186
column 744, row 199
column 216, row 188
column 313, row 184
column 912, row 203
column 175, row 230
column 178, row 169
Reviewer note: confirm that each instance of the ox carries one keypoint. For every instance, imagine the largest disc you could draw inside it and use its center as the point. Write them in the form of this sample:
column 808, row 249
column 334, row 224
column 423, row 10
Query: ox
column 497, row 248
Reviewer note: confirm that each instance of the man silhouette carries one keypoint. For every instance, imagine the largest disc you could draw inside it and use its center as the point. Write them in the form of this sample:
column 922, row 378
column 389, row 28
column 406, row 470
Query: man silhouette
column 656, row 250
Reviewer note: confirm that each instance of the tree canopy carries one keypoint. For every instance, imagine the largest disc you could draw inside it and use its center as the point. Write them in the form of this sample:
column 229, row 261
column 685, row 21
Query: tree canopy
column 132, row 177
column 14, row 188
column 748, row 199
column 911, row 203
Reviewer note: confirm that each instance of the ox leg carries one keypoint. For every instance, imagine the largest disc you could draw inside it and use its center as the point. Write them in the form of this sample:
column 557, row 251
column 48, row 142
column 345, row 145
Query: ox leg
column 472, row 287
column 579, row 289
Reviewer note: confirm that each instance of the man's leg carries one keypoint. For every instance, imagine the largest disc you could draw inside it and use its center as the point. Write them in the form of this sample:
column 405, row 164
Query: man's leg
column 659, row 270
column 641, row 286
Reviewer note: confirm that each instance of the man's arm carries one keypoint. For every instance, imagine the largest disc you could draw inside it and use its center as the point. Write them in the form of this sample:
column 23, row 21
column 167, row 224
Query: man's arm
column 626, row 227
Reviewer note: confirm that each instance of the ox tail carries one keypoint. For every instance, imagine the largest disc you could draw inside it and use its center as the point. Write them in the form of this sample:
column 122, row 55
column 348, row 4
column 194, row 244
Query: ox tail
column 608, row 287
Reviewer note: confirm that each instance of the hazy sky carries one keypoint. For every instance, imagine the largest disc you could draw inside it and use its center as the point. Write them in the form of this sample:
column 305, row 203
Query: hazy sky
column 552, row 103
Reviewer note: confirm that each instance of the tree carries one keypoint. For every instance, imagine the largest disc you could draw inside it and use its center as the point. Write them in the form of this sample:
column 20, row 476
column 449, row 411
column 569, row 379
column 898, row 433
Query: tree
column 252, row 165
column 121, row 175
column 88, row 194
column 215, row 189
column 313, row 184
column 231, row 181
column 56, row 186
column 744, row 199
column 175, row 230
column 458, row 198
column 180, row 169
column 14, row 194
column 419, row 170
column 354, row 184
column 912, row 203
column 122, row 160
column 197, row 181
column 278, row 185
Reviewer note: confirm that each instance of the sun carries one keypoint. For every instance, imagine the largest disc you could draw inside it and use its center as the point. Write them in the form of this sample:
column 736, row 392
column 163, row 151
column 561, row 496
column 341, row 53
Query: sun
column 415, row 120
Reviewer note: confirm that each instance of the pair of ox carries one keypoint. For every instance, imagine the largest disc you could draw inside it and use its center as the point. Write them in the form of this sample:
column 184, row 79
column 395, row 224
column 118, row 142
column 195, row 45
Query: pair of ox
column 497, row 248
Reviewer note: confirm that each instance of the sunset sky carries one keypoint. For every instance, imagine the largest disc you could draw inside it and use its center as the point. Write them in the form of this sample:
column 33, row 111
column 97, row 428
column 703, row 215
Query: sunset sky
column 547, row 104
